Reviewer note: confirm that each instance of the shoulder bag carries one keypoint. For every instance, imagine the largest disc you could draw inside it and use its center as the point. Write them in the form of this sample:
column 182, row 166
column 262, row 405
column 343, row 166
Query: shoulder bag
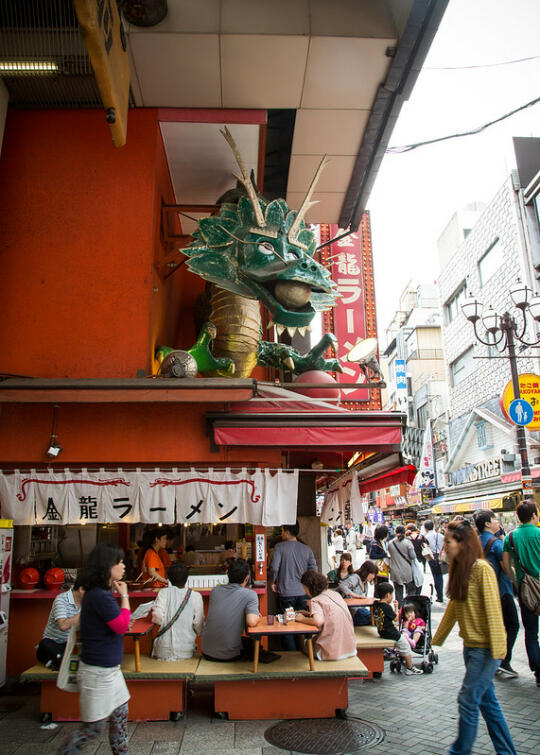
column 440, row 566
column 67, row 673
column 529, row 589
column 427, row 553
column 176, row 616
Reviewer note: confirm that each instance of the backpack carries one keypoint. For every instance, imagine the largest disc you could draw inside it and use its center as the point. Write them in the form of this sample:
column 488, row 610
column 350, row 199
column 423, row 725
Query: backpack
column 529, row 589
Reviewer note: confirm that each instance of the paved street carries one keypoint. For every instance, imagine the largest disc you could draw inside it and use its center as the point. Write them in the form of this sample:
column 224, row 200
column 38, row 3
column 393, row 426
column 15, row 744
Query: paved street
column 418, row 715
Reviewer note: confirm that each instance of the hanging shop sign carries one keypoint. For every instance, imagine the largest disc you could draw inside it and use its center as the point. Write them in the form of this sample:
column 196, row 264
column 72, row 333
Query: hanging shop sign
column 529, row 389
column 482, row 470
column 426, row 469
column 349, row 311
column 105, row 41
column 343, row 503
column 188, row 497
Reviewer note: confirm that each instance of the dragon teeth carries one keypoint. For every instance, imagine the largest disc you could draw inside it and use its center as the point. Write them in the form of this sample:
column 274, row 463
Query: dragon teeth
column 291, row 331
column 280, row 329
column 271, row 323
column 302, row 331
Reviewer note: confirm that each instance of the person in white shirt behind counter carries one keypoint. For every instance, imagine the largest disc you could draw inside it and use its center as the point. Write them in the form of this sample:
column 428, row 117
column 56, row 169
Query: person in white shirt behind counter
column 178, row 611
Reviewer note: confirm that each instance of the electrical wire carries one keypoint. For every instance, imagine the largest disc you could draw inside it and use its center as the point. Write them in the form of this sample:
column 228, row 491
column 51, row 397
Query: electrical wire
column 480, row 65
column 471, row 132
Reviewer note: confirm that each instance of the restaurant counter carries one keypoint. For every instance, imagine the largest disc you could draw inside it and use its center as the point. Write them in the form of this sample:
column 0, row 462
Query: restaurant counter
column 29, row 611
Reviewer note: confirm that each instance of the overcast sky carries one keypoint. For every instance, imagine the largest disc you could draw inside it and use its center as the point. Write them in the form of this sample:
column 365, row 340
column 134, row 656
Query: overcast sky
column 416, row 193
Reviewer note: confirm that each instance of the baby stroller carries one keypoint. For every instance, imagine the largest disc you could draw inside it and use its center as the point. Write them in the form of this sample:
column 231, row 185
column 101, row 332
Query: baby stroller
column 422, row 607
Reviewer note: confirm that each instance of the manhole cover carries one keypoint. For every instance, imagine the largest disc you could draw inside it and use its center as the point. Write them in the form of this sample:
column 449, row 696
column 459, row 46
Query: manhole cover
column 324, row 736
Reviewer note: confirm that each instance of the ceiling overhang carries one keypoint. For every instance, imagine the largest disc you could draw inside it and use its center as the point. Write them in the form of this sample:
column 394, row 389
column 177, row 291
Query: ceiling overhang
column 343, row 69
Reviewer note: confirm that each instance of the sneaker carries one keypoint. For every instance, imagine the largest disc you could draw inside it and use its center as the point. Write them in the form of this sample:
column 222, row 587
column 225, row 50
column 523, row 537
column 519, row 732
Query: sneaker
column 411, row 671
column 505, row 669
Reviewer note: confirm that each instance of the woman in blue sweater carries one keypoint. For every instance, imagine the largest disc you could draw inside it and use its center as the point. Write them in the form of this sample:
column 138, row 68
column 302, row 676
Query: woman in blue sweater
column 103, row 691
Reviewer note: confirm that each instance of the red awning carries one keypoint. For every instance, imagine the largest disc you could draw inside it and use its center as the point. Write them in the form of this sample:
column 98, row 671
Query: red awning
column 400, row 476
column 319, row 436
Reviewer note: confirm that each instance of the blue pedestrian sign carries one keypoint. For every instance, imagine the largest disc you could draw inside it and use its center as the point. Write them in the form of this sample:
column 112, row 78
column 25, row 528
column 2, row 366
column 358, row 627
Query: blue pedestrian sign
column 521, row 412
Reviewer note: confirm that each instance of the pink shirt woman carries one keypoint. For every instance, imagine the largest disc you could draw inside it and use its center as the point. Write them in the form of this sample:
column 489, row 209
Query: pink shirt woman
column 329, row 611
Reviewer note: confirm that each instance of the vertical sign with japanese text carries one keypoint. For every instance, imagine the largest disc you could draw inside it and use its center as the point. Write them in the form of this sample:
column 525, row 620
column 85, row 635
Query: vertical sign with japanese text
column 349, row 312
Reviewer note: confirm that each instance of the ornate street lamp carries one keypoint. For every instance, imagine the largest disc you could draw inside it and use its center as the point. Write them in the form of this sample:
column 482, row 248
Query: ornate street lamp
column 503, row 332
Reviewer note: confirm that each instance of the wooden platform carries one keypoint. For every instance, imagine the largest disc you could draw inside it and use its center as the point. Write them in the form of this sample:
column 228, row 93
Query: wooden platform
column 370, row 649
column 283, row 689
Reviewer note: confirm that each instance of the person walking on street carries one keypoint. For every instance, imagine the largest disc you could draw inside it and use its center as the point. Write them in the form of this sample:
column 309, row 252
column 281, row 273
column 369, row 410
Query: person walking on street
column 476, row 606
column 378, row 552
column 436, row 543
column 402, row 555
column 291, row 559
column 489, row 532
column 523, row 546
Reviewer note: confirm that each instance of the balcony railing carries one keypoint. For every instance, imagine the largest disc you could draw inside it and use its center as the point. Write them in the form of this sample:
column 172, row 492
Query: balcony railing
column 426, row 354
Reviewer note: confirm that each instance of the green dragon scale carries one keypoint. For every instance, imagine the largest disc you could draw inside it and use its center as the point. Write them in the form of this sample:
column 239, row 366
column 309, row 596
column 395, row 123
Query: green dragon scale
column 261, row 251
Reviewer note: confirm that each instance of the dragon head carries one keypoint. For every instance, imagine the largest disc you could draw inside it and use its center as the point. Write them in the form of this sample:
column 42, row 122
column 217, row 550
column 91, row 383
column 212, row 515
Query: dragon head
column 264, row 250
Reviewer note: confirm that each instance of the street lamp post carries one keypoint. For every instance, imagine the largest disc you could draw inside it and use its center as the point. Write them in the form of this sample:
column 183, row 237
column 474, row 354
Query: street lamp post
column 503, row 332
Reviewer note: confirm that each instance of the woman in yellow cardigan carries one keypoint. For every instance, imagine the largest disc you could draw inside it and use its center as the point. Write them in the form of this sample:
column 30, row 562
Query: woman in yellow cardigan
column 476, row 606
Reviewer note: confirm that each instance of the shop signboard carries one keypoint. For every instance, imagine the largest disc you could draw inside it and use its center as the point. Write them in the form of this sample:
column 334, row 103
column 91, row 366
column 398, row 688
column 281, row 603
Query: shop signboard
column 349, row 312
column 529, row 389
column 158, row 497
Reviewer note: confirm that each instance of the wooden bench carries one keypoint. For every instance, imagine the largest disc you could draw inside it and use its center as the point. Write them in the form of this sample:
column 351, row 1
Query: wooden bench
column 285, row 688
column 370, row 649
column 158, row 690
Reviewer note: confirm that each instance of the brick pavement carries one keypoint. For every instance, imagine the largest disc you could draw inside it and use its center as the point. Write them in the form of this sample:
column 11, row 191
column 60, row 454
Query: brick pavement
column 418, row 715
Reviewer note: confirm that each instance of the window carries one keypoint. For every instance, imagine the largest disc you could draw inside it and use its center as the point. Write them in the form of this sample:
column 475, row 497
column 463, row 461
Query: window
column 462, row 367
column 481, row 434
column 422, row 416
column 453, row 305
column 490, row 262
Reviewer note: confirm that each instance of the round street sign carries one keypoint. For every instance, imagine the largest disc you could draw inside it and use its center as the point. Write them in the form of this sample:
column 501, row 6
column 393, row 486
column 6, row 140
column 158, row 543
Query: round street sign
column 521, row 412
column 529, row 388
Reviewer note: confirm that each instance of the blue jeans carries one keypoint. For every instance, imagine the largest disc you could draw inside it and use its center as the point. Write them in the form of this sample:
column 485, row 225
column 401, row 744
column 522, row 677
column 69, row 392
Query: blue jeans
column 478, row 693
column 299, row 603
column 530, row 625
column 362, row 617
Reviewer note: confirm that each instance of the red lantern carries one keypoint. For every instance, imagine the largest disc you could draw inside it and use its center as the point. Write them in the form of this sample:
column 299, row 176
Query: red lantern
column 54, row 578
column 29, row 578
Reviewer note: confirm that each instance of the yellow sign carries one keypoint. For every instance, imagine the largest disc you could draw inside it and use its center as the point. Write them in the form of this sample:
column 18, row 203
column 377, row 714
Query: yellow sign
column 103, row 35
column 529, row 388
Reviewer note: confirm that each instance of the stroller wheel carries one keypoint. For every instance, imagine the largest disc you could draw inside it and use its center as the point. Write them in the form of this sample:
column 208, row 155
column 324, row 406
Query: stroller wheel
column 393, row 666
column 435, row 658
column 427, row 668
column 431, row 656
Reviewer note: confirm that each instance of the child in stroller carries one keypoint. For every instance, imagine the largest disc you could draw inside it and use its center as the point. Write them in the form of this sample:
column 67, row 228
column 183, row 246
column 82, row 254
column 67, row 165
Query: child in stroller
column 415, row 624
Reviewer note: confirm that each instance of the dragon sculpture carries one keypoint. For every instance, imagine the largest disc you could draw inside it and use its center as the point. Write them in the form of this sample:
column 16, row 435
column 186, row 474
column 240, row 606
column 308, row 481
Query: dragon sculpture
column 256, row 251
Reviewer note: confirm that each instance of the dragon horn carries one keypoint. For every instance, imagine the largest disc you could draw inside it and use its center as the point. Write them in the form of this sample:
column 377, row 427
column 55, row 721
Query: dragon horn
column 307, row 203
column 245, row 178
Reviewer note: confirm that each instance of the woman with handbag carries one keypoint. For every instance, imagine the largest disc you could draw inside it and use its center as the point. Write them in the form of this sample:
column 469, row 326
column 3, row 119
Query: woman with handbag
column 475, row 605
column 379, row 554
column 402, row 556
column 178, row 611
column 103, row 691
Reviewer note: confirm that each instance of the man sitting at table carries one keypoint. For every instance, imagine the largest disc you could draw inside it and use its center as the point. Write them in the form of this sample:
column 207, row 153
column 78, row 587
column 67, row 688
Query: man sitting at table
column 64, row 614
column 178, row 611
column 231, row 608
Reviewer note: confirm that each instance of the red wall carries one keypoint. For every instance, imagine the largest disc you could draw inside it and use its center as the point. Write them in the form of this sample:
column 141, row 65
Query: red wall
column 78, row 231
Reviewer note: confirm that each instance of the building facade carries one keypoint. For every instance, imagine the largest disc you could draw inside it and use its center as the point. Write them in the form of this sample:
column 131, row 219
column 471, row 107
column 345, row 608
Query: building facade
column 482, row 259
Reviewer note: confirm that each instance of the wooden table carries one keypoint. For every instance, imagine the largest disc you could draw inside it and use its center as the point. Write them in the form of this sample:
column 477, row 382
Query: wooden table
column 139, row 628
column 362, row 602
column 276, row 629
